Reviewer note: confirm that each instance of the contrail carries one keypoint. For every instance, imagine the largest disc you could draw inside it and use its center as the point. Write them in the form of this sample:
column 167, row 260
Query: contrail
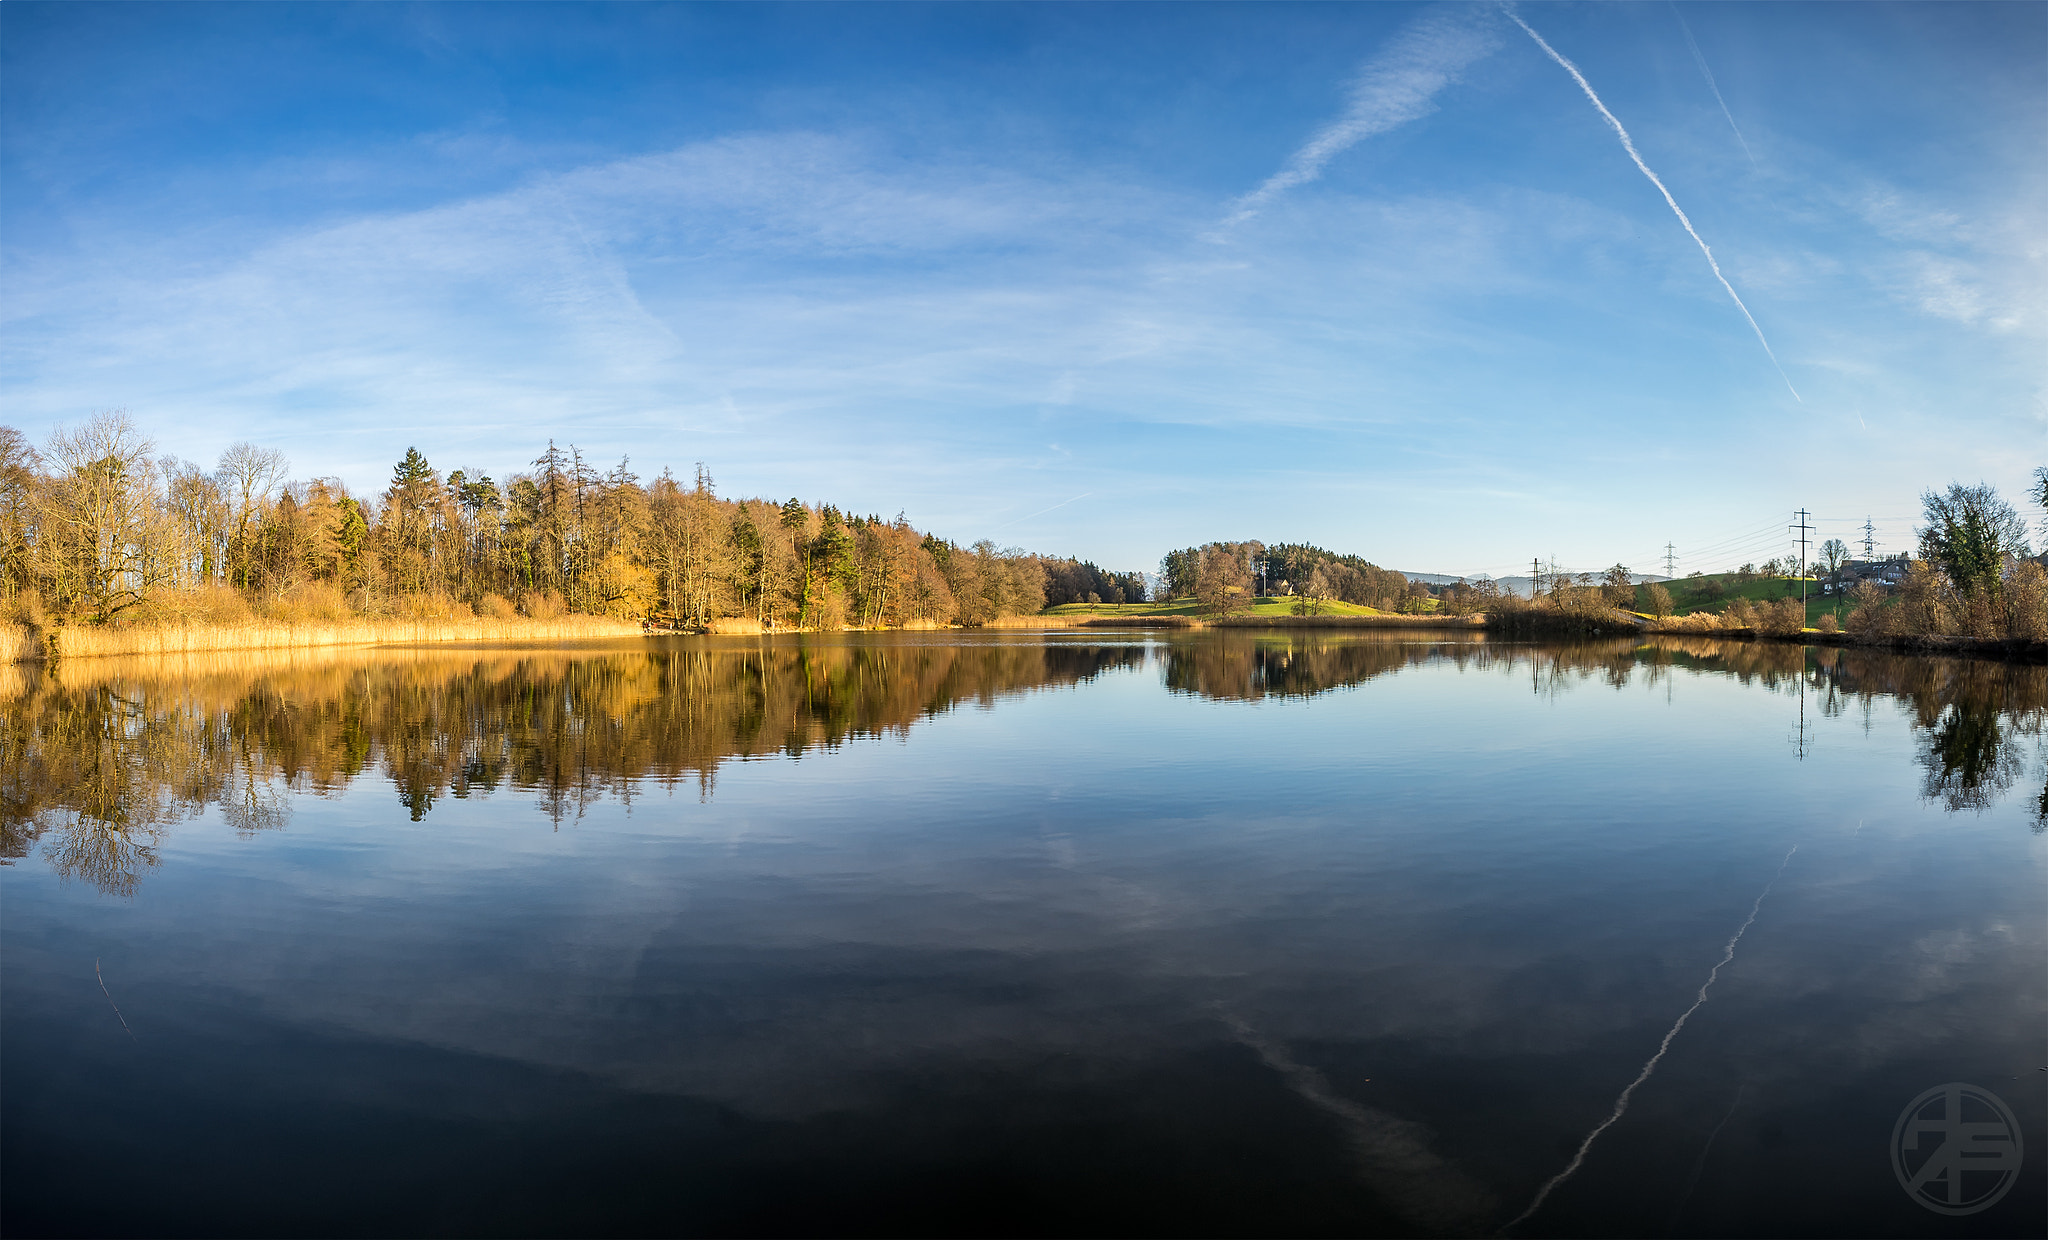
column 1621, row 1103
column 1397, row 86
column 1041, row 512
column 1628, row 144
column 1712, row 85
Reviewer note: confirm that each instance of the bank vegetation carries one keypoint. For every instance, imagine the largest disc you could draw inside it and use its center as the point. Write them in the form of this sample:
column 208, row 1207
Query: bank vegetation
column 1973, row 583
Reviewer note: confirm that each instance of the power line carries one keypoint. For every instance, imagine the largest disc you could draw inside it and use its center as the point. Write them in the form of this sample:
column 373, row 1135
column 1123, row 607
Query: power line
column 1742, row 541
column 1731, row 539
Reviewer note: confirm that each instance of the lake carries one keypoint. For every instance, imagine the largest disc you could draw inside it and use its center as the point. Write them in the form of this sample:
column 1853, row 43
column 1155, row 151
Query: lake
column 1226, row 933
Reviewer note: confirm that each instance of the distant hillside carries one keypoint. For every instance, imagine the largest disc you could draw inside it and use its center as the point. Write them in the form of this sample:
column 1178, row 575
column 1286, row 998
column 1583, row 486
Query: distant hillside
column 1518, row 586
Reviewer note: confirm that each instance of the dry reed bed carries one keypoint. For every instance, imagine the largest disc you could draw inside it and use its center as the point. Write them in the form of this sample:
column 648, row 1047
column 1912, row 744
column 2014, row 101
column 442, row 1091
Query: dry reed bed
column 1237, row 622
column 1034, row 623
column 71, row 641
column 2015, row 649
column 1349, row 622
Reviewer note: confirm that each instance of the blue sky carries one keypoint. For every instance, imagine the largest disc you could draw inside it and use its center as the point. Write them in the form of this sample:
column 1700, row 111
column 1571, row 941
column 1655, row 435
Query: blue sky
column 1091, row 279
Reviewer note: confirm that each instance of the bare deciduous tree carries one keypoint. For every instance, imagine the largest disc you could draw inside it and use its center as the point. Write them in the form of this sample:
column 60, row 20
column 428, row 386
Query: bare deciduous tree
column 103, row 542
column 1225, row 584
column 1619, row 586
column 247, row 476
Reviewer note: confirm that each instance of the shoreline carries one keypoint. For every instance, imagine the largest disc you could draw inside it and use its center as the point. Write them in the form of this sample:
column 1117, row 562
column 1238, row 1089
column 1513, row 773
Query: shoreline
column 27, row 644
column 2006, row 649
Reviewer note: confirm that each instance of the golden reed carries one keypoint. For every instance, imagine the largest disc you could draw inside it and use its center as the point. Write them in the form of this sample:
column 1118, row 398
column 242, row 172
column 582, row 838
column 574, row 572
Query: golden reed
column 23, row 643
column 1237, row 622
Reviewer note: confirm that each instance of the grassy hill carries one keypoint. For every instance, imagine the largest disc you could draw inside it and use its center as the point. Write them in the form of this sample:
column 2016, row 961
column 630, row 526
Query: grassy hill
column 1714, row 591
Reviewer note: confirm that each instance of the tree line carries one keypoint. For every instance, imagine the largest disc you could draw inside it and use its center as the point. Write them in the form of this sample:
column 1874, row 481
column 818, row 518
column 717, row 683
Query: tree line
column 95, row 526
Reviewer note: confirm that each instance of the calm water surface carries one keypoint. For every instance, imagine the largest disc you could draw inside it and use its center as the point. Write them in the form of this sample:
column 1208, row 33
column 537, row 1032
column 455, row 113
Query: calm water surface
column 1017, row 934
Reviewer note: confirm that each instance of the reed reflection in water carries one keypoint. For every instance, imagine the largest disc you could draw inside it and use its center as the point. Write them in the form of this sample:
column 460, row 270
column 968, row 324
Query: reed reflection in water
column 103, row 755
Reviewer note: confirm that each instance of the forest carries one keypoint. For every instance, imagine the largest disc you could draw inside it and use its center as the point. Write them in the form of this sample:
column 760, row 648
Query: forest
column 97, row 527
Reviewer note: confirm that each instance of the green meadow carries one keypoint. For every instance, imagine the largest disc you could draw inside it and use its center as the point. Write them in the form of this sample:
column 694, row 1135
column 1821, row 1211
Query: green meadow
column 1714, row 591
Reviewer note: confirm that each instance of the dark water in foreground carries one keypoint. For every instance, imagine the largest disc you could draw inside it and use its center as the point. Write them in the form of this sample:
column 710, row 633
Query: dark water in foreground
column 1018, row 934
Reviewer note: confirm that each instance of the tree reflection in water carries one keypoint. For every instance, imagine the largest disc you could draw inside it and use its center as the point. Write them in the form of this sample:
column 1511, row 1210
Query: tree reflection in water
column 1970, row 716
column 100, row 756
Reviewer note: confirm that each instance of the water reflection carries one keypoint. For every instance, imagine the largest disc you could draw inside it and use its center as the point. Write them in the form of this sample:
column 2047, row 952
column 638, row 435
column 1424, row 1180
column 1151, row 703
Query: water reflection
column 101, row 756
column 1971, row 717
column 1246, row 667
column 1313, row 933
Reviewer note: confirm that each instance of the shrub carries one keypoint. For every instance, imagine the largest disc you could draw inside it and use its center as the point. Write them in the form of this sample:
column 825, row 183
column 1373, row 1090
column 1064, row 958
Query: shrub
column 210, row 605
column 1981, row 615
column 1828, row 623
column 1870, row 617
column 309, row 602
column 1783, row 618
column 2026, row 602
column 542, row 604
column 369, row 602
column 431, row 607
column 496, row 607
column 1926, row 604
column 26, row 608
column 1693, row 622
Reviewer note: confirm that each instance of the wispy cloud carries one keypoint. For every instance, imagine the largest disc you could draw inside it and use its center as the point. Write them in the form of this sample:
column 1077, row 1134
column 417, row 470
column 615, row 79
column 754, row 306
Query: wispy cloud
column 1945, row 288
column 1628, row 144
column 1395, row 87
column 1984, row 271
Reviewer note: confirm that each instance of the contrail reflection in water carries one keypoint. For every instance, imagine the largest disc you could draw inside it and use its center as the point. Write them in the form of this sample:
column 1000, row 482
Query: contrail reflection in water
column 1621, row 1103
